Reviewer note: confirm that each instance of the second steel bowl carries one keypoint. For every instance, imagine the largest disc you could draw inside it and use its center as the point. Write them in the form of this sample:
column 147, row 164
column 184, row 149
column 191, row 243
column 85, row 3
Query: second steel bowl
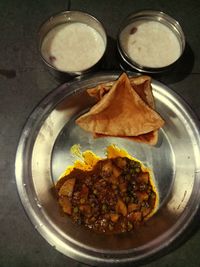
column 141, row 39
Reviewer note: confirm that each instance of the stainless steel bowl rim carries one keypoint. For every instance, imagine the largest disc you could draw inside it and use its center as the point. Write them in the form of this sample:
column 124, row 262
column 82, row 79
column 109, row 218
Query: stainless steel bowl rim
column 151, row 15
column 67, row 13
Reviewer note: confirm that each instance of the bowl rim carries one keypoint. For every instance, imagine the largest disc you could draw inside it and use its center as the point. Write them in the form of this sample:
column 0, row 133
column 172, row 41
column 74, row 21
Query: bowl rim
column 150, row 15
column 66, row 13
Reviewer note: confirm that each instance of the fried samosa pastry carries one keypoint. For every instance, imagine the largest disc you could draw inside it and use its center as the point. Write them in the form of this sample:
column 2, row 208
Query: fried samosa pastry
column 150, row 138
column 142, row 85
column 121, row 112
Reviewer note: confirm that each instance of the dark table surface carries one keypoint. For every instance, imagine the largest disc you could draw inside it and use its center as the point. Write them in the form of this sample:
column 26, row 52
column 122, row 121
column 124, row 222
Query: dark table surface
column 24, row 81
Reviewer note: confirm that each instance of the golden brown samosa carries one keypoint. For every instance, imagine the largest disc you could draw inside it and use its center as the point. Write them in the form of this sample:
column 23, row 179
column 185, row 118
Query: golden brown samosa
column 142, row 85
column 121, row 112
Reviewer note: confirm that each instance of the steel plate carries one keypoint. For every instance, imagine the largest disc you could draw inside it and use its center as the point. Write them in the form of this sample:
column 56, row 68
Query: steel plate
column 44, row 152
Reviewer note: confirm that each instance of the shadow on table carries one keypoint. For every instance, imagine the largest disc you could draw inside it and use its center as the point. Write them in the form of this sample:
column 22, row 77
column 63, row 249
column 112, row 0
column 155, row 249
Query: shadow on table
column 190, row 231
column 112, row 62
column 181, row 69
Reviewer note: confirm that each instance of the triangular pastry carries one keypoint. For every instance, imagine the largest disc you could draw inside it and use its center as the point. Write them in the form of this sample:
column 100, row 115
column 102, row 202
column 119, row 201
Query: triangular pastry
column 142, row 85
column 121, row 112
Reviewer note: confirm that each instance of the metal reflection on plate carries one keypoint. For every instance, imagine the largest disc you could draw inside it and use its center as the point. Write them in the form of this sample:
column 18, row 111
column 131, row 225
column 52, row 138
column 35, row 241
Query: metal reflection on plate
column 44, row 153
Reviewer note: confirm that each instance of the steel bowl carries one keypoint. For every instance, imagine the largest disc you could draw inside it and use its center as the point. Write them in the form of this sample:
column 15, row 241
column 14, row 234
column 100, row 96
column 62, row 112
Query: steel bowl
column 67, row 17
column 44, row 153
column 147, row 16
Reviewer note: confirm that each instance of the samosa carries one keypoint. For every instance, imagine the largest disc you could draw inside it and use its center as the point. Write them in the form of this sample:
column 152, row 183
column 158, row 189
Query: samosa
column 122, row 112
column 142, row 85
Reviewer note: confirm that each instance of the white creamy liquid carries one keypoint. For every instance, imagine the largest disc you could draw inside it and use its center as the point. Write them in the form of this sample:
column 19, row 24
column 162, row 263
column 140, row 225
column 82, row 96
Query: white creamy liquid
column 150, row 44
column 73, row 47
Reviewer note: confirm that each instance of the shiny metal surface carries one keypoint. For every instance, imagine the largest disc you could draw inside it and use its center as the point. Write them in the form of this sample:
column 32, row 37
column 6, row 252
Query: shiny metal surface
column 43, row 154
column 69, row 17
column 151, row 15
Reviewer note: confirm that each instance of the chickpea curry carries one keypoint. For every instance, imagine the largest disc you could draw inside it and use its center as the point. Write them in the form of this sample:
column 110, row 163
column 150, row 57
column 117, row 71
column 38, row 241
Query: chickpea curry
column 111, row 195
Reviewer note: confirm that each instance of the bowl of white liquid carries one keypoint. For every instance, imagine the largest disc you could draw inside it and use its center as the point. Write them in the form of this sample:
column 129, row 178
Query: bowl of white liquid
column 72, row 42
column 150, row 41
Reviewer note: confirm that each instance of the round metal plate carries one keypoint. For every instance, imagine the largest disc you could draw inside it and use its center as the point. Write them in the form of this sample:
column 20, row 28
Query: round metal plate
column 44, row 153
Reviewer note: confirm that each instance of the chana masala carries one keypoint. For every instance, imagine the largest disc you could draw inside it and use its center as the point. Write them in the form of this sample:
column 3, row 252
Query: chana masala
column 112, row 195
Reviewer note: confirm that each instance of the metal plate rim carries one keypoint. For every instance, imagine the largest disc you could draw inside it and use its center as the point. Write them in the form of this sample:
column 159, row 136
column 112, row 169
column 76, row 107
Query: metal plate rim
column 19, row 171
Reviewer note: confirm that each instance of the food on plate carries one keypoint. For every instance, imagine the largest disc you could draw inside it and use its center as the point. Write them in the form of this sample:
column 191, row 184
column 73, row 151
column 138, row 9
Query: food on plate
column 108, row 195
column 125, row 109
column 141, row 84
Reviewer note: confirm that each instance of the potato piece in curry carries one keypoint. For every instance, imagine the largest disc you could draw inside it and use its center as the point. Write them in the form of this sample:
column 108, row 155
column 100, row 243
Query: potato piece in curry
column 112, row 195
